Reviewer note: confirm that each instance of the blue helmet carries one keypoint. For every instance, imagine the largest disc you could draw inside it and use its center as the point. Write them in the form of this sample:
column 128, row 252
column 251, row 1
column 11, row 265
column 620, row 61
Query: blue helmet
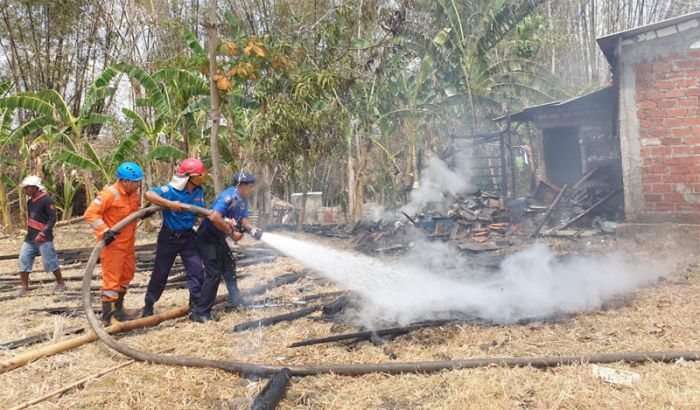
column 130, row 171
column 243, row 178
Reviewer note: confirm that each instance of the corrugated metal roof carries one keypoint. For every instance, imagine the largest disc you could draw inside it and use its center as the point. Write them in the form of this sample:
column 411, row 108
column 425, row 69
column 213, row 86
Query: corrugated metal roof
column 528, row 113
column 608, row 43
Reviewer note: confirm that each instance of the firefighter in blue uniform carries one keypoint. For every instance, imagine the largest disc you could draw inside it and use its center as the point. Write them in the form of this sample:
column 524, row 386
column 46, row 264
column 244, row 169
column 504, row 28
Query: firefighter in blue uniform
column 229, row 217
column 176, row 236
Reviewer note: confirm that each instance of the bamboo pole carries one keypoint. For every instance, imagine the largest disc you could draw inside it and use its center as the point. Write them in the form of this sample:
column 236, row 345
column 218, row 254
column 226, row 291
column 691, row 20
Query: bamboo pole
column 34, row 355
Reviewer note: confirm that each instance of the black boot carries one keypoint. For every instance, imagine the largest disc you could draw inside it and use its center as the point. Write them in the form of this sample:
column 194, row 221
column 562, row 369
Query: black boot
column 201, row 318
column 147, row 309
column 119, row 308
column 109, row 307
column 193, row 301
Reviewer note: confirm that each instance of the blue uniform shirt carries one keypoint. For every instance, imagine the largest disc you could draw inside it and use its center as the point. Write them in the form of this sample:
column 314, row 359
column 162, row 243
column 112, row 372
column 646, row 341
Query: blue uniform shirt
column 230, row 205
column 180, row 221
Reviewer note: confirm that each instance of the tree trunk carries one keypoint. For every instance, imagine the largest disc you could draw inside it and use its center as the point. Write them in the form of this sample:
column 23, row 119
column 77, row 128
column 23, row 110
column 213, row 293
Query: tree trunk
column 215, row 113
column 5, row 209
column 304, row 188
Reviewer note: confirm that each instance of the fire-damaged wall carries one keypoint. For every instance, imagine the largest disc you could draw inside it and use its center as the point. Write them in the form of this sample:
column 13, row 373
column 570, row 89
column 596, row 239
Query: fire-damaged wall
column 659, row 77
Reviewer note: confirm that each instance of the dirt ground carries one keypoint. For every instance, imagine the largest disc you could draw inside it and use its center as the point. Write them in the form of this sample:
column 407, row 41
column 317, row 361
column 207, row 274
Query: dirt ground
column 662, row 317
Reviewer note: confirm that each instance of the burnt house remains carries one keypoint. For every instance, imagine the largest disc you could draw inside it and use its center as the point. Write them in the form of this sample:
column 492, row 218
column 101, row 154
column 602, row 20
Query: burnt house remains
column 643, row 129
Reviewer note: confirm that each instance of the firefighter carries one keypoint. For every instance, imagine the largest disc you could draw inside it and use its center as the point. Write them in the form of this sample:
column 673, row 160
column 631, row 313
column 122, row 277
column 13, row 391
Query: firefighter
column 229, row 217
column 41, row 217
column 176, row 236
column 114, row 203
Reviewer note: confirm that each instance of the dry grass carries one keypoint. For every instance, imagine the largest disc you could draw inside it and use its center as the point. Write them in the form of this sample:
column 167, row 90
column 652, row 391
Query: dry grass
column 663, row 317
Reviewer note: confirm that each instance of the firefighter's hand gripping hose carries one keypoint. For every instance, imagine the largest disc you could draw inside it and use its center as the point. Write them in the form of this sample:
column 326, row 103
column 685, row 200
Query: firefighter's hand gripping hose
column 261, row 369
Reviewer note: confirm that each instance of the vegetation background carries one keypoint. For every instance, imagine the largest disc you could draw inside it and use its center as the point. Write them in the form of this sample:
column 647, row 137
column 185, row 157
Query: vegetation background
column 344, row 97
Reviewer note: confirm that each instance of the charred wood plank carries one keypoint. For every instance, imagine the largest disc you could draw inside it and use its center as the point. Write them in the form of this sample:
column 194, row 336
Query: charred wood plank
column 393, row 331
column 276, row 319
column 336, row 306
column 275, row 283
column 273, row 391
column 65, row 310
column 549, row 212
column 42, row 337
column 589, row 210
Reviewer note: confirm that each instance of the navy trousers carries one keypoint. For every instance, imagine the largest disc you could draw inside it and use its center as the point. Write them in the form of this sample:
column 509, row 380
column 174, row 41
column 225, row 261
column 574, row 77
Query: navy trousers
column 218, row 262
column 171, row 244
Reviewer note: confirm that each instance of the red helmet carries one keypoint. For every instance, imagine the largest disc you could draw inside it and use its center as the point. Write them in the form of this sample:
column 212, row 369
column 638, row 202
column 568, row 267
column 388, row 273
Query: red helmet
column 191, row 166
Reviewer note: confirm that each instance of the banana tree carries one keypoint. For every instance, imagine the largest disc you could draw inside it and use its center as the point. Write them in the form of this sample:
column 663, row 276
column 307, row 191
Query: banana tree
column 469, row 37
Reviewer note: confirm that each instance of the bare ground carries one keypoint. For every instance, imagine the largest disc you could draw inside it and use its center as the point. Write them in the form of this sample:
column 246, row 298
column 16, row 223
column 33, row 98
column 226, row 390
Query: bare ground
column 662, row 317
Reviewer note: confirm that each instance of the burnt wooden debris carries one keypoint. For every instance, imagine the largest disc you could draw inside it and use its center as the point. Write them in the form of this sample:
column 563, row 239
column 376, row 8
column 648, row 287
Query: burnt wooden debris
column 273, row 392
column 76, row 258
column 42, row 337
column 276, row 319
column 485, row 221
column 332, row 308
column 393, row 331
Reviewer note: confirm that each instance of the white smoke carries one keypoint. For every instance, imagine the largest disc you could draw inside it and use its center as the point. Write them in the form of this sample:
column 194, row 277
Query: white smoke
column 437, row 178
column 434, row 283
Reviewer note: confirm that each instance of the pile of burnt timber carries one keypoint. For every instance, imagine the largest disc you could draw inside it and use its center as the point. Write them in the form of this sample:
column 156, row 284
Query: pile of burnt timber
column 474, row 222
column 590, row 205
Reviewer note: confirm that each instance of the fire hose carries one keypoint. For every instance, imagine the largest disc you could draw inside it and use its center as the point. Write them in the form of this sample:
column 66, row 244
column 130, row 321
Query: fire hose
column 262, row 369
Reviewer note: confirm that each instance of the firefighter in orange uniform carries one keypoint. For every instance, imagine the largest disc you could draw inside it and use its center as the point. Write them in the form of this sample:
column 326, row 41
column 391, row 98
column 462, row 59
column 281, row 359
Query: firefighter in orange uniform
column 113, row 204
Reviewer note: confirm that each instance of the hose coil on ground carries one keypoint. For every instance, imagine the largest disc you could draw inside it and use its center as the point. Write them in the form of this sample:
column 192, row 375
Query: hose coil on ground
column 261, row 369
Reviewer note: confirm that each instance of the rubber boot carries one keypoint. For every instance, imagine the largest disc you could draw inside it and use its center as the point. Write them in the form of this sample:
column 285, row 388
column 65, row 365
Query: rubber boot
column 109, row 307
column 119, row 308
column 147, row 309
column 193, row 301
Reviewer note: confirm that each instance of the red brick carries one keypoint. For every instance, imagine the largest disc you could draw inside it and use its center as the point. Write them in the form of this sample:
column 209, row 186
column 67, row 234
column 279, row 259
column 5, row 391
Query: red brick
column 660, row 188
column 681, row 166
column 650, row 123
column 688, row 102
column 657, row 169
column 671, row 122
column 681, row 65
column 694, row 140
column 686, row 82
column 661, row 207
column 682, row 151
column 652, row 197
column 673, row 197
column 652, row 178
column 654, row 95
column 647, row 105
column 665, row 84
column 680, row 132
column 676, row 178
column 690, row 121
column 677, row 112
column 669, row 142
column 675, row 93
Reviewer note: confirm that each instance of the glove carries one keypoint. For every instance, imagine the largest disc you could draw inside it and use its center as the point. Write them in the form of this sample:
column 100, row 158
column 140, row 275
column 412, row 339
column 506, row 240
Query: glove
column 40, row 237
column 256, row 232
column 110, row 236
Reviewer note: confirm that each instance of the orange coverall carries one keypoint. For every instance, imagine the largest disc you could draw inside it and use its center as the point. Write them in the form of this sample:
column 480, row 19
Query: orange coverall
column 118, row 260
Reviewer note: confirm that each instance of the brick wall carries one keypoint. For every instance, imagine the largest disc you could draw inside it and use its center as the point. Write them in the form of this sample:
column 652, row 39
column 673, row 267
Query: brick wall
column 668, row 111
